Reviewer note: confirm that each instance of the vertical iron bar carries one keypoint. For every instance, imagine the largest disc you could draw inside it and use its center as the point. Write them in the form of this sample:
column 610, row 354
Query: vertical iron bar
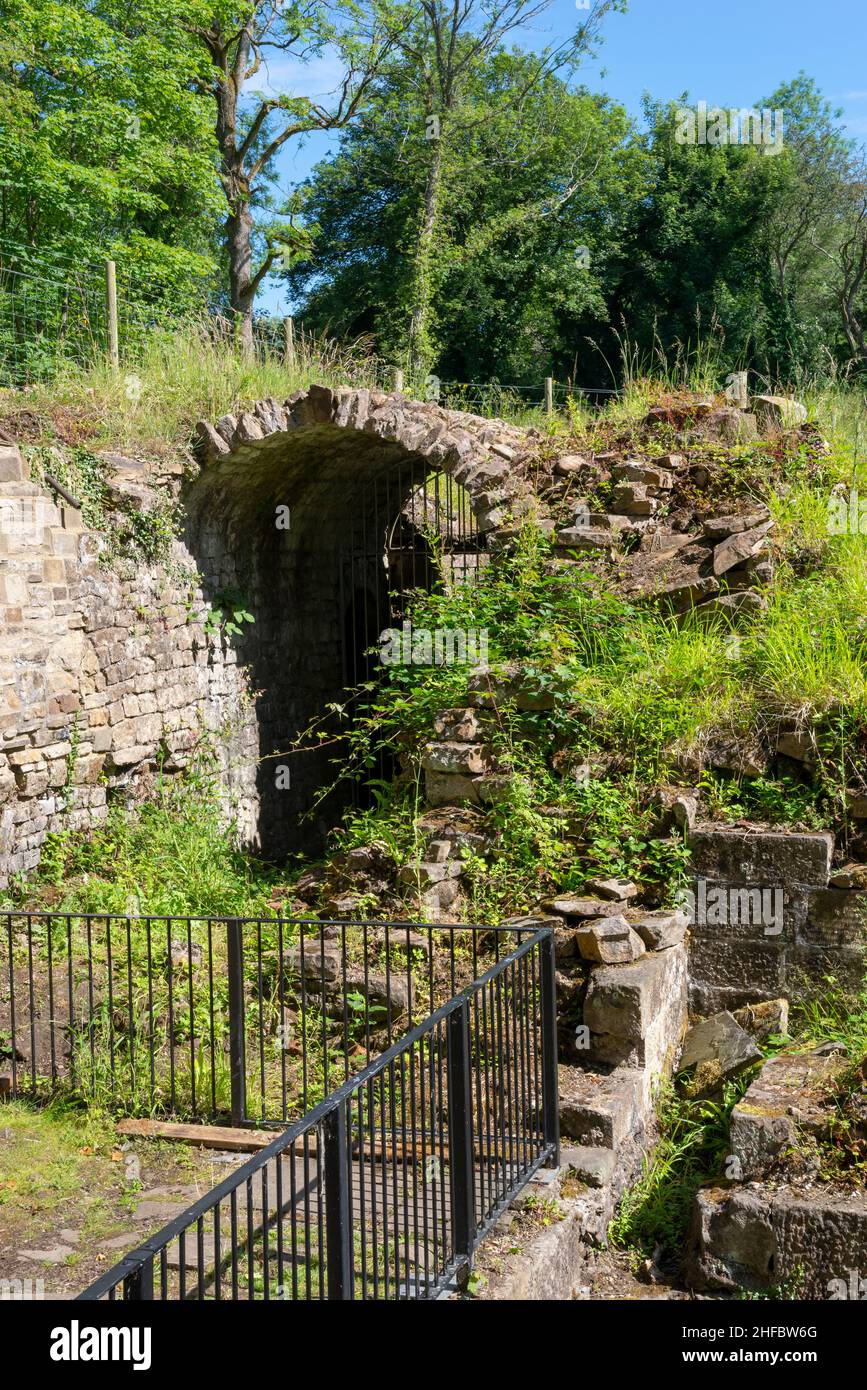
column 338, row 1211
column 551, row 1118
column 237, row 1061
column 460, row 1138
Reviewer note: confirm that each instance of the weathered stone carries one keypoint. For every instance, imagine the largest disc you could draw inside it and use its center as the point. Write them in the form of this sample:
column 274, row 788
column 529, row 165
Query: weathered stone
column 623, row 1000
column 787, row 1100
column 767, row 1019
column 570, row 463
column 661, row 930
column 459, row 725
column 318, row 963
column 758, row 1239
column 594, row 1166
column 586, row 538
column 581, row 907
column 851, row 876
column 468, row 760
column 834, row 917
column 717, row 528
column 714, row 1050
column 762, row 856
column 424, row 874
column 632, row 499
column 600, row 1109
column 797, row 744
column 614, row 889
column 778, row 412
column 610, row 941
column 508, row 682
column 734, row 550
column 635, row 471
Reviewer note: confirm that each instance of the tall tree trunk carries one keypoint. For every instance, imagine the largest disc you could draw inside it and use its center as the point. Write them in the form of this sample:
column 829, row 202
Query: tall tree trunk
column 239, row 238
column 239, row 222
column 422, row 291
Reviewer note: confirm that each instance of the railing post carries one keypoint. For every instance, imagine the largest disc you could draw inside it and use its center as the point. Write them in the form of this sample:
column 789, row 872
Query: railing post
column 549, row 395
column 550, row 1107
column 338, row 1208
column 461, row 1139
column 237, row 1058
column 138, row 1287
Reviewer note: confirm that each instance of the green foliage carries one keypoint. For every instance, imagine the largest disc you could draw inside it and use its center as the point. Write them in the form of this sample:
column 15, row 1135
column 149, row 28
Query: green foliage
column 132, row 536
column 509, row 227
column 174, row 855
column 106, row 147
column 782, row 802
column 693, row 1144
column 228, row 615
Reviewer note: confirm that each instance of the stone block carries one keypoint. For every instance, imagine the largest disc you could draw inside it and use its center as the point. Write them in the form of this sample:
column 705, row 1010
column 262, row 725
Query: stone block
column 600, row 1108
column 590, row 1165
column 714, row 1050
column 762, row 856
column 756, row 1239
column 783, row 1103
column 624, row 1000
column 834, row 917
column 610, row 941
column 749, row 969
column 660, row 930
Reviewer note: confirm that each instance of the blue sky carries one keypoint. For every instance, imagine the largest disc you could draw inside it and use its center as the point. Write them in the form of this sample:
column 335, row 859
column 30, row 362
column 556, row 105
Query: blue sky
column 728, row 53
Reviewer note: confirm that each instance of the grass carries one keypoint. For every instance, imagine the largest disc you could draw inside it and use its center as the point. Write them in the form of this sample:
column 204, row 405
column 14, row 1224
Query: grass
column 177, row 854
column 693, row 1145
column 182, row 375
column 66, row 1179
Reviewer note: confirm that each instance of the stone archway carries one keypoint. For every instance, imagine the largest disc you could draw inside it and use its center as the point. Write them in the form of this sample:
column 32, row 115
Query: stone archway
column 331, row 467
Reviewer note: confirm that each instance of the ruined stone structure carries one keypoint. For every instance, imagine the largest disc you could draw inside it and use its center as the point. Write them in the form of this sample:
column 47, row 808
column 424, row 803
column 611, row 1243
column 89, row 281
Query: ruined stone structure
column 295, row 513
column 105, row 675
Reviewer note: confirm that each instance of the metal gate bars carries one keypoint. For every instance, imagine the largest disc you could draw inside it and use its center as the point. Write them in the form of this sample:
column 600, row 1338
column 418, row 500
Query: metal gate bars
column 386, row 1187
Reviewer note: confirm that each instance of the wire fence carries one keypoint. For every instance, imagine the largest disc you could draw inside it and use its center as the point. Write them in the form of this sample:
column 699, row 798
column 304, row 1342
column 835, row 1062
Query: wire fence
column 54, row 318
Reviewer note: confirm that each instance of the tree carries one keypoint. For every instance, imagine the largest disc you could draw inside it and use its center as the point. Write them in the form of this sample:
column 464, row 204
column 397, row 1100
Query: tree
column 105, row 145
column 446, row 44
column 238, row 39
column 847, row 255
column 529, row 219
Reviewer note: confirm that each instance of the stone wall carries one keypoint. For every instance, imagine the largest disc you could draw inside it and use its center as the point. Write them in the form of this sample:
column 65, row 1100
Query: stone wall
column 101, row 676
column 738, row 955
column 106, row 673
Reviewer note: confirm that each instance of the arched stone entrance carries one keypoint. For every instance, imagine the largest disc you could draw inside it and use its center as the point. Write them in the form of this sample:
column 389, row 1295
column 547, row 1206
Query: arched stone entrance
column 312, row 516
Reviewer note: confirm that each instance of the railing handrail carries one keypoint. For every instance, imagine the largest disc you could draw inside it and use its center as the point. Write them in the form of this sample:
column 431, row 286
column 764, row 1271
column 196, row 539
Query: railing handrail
column 144, row 1254
column 9, row 912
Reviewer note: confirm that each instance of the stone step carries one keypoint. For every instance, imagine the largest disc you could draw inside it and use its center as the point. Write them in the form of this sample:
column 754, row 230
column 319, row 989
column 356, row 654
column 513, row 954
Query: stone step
column 600, row 1107
column 589, row 1164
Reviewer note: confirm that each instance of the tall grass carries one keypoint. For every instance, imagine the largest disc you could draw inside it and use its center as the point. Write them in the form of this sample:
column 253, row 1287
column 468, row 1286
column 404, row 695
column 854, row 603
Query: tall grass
column 190, row 372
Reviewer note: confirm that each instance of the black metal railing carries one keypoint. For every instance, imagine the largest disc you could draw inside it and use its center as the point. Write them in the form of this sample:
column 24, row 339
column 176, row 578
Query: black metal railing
column 386, row 1187
column 205, row 1018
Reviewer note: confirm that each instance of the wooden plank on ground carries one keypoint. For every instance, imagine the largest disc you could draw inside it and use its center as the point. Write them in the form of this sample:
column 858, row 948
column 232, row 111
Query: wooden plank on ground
column 206, row 1136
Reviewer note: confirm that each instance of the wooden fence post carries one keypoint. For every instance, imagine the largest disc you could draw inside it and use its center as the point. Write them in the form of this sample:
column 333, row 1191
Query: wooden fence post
column 549, row 395
column 111, row 312
column 398, row 380
column 289, row 341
